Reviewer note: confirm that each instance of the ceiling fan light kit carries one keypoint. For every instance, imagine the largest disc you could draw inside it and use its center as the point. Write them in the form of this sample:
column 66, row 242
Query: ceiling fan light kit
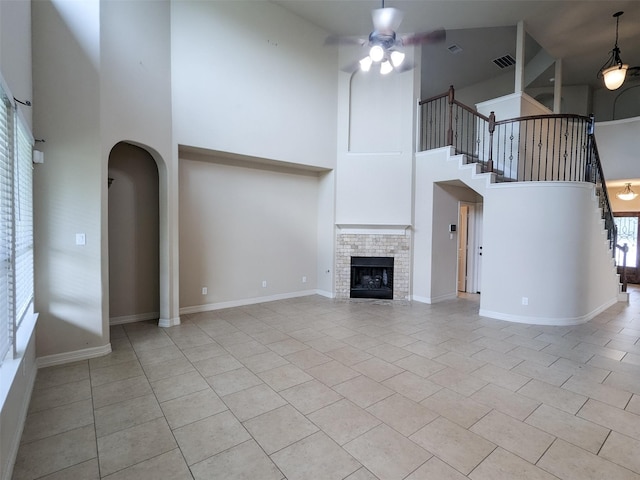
column 614, row 71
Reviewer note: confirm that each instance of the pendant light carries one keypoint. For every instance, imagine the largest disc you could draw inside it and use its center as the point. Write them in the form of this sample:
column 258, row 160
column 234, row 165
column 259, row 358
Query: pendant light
column 614, row 70
column 626, row 193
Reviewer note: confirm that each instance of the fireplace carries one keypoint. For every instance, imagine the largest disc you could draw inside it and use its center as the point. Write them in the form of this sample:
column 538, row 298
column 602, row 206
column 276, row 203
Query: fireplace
column 372, row 277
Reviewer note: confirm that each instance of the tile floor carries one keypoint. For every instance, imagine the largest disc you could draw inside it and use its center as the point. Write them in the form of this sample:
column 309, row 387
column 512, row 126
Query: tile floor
column 312, row 388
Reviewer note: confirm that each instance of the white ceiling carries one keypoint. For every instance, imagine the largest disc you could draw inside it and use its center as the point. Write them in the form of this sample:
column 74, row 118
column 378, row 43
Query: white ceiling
column 581, row 32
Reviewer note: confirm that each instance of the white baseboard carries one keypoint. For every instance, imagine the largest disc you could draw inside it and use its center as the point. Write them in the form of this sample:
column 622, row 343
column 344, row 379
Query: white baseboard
column 247, row 301
column 168, row 322
column 324, row 293
column 440, row 298
column 134, row 318
column 76, row 355
column 557, row 322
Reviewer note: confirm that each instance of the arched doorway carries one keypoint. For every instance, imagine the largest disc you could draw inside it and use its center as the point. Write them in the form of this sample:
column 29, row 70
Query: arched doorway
column 133, row 238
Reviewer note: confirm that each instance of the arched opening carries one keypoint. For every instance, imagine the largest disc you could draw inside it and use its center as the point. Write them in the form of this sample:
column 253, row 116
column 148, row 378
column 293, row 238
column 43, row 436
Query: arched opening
column 133, row 235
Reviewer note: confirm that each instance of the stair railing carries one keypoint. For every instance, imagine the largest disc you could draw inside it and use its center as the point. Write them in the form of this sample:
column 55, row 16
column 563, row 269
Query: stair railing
column 532, row 148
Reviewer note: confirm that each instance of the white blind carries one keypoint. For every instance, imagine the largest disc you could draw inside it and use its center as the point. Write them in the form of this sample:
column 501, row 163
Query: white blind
column 23, row 218
column 6, row 225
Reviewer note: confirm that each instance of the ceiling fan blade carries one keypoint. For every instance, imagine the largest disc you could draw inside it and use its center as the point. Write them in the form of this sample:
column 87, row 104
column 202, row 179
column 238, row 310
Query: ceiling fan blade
column 435, row 36
column 386, row 20
column 339, row 40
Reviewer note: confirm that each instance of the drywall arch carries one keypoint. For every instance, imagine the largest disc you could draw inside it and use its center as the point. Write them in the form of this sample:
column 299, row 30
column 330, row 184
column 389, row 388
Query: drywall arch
column 166, row 286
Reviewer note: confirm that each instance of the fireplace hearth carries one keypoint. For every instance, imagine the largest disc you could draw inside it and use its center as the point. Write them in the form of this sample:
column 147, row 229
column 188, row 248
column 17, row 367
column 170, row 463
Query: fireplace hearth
column 372, row 277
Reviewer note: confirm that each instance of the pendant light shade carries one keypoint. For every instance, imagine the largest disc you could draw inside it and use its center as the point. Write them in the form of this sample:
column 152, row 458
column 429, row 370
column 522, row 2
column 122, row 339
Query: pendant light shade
column 614, row 71
column 626, row 193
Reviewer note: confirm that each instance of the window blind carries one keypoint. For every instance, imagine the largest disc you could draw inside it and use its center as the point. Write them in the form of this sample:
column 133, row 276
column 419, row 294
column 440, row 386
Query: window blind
column 6, row 225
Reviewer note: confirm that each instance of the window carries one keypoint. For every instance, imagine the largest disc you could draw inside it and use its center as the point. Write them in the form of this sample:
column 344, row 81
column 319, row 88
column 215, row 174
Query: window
column 16, row 223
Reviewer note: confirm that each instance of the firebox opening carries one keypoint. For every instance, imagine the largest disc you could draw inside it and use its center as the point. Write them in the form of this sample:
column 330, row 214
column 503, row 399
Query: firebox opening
column 372, row 277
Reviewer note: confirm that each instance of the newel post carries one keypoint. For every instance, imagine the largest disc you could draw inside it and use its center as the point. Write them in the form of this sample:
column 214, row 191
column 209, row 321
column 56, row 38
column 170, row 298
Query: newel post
column 451, row 98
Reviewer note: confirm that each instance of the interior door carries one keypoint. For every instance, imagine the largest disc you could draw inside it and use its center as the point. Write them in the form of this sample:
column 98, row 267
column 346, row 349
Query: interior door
column 463, row 245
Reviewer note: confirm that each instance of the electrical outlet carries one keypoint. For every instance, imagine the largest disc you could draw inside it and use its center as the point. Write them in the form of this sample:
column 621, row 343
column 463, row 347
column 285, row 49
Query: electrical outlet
column 264, row 284
column 205, row 290
column 525, row 300
column 304, row 279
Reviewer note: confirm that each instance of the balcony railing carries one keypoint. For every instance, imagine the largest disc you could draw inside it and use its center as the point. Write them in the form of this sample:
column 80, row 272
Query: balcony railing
column 524, row 149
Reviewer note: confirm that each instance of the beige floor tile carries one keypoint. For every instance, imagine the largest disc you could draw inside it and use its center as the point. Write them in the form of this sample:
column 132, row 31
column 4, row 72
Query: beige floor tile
column 232, row 338
column 629, row 381
column 505, row 401
column 62, row 374
column 455, row 407
column 362, row 474
column 349, row 355
column 457, row 446
column 604, row 393
column 121, row 371
column 501, row 377
column 205, row 438
column 243, row 462
column 622, row 450
column 402, row 414
column 233, row 381
column 216, row 365
column 326, row 344
column 307, row 358
column 513, row 435
column 421, row 366
column 339, row 333
column 192, row 407
column 377, row 369
column 246, row 349
column 554, row 396
column 610, row 417
column 388, row 353
column 458, row 381
column 130, row 446
column 309, row 397
column 412, row 386
column 332, row 373
column 316, row 456
column 494, row 344
column 306, row 334
column 253, row 401
column 499, row 359
column 55, row 453
column 459, row 362
column 54, row 421
column 581, row 371
column 363, row 391
column 279, row 428
column 386, row 453
column 122, row 415
column 285, row 347
column 178, row 386
column 436, row 469
column 114, row 358
column 159, row 355
column 571, row 428
column 203, row 352
column 286, row 376
column 120, row 390
column 569, row 462
column 424, row 349
column 86, row 471
column 534, row 355
column 167, row 466
column 460, row 346
column 540, row 372
column 171, row 368
column 155, row 340
column 46, row 398
column 343, row 421
column 503, row 465
column 263, row 361
column 634, row 405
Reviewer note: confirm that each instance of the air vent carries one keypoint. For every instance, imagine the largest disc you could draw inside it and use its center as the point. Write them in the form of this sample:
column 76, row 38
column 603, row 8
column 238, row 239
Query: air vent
column 454, row 48
column 504, row 62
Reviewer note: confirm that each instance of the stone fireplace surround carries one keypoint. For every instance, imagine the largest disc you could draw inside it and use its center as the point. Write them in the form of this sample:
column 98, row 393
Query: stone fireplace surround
column 373, row 242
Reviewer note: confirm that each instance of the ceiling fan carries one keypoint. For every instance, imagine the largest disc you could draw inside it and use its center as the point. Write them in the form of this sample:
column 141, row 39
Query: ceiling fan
column 384, row 44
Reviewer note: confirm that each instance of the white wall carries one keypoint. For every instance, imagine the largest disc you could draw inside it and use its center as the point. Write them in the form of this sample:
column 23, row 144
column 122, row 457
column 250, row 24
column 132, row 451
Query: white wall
column 68, row 187
column 617, row 104
column 244, row 224
column 619, row 146
column 251, row 78
column 135, row 107
column 560, row 262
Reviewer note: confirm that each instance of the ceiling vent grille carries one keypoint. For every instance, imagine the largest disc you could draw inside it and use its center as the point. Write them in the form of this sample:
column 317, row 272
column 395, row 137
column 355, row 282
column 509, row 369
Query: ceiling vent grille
column 454, row 48
column 504, row 62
